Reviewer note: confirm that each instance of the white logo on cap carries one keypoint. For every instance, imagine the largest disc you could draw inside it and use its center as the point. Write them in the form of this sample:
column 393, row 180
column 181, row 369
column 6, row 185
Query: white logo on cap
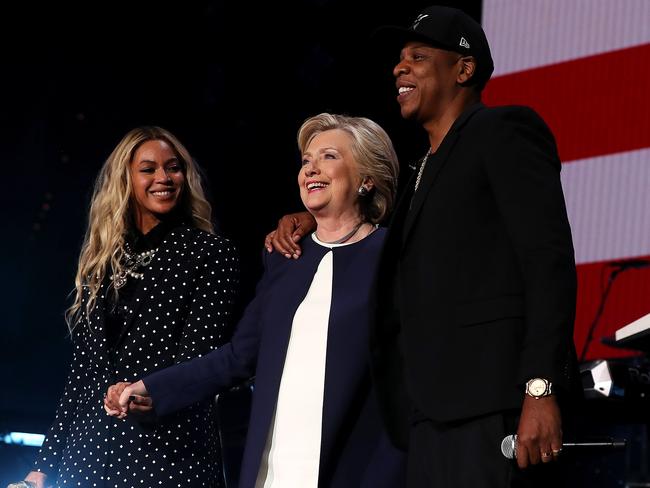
column 464, row 43
column 419, row 19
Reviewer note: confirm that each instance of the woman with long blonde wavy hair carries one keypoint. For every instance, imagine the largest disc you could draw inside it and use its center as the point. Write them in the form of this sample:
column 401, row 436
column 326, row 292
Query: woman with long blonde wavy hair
column 154, row 287
column 110, row 214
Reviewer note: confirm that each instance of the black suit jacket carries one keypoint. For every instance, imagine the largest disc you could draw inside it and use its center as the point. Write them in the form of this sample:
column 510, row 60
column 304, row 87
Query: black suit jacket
column 477, row 285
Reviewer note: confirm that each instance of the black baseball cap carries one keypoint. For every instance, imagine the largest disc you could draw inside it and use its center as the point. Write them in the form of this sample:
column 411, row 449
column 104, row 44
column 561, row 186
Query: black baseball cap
column 445, row 28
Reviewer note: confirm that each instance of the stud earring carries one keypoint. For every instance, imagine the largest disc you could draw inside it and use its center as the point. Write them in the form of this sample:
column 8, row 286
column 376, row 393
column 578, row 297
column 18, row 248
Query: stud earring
column 362, row 191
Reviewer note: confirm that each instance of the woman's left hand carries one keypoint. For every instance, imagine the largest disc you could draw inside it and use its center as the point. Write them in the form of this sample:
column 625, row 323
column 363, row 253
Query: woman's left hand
column 124, row 398
column 135, row 399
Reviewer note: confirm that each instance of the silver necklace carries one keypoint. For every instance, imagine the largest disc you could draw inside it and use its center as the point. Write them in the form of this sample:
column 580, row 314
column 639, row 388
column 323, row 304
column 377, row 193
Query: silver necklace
column 132, row 262
column 346, row 237
column 421, row 170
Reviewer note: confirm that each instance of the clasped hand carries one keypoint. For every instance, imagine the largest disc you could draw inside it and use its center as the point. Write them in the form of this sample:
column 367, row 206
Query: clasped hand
column 124, row 398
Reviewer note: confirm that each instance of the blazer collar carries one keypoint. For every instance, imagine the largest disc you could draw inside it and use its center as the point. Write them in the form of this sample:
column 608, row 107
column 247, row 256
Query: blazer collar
column 431, row 171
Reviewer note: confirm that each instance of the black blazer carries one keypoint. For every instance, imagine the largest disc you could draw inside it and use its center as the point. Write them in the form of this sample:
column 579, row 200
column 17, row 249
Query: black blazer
column 477, row 284
column 182, row 309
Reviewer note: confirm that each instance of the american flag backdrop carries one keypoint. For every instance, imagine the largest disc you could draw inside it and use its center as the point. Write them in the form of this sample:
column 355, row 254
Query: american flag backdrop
column 584, row 65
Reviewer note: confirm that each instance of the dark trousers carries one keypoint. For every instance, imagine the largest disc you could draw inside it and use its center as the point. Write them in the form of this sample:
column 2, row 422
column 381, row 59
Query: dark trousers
column 468, row 454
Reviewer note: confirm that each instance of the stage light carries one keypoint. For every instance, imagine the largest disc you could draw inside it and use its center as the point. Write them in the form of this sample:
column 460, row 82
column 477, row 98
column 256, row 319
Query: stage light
column 23, row 439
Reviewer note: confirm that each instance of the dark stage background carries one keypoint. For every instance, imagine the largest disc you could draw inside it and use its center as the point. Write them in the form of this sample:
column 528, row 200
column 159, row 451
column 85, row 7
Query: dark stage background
column 234, row 81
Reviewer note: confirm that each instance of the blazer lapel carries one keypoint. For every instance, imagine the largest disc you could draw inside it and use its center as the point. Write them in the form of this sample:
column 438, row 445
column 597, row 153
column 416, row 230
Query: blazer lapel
column 429, row 176
column 433, row 168
column 398, row 216
column 345, row 367
column 285, row 295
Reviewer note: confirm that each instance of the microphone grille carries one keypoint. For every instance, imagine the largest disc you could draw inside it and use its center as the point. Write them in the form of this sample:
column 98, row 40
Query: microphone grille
column 508, row 446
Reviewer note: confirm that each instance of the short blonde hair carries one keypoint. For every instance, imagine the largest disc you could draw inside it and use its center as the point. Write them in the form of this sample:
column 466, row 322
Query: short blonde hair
column 373, row 152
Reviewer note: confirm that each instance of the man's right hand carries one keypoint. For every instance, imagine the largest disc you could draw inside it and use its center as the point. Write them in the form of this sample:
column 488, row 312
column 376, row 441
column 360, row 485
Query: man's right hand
column 539, row 434
column 291, row 229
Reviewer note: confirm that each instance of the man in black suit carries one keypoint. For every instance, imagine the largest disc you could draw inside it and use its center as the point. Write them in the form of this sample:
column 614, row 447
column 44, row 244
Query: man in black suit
column 477, row 285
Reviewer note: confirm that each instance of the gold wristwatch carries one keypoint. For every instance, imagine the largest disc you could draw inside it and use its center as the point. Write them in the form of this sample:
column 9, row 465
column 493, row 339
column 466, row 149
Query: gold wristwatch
column 538, row 388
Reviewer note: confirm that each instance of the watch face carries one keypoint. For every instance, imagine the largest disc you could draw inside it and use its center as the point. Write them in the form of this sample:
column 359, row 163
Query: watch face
column 537, row 387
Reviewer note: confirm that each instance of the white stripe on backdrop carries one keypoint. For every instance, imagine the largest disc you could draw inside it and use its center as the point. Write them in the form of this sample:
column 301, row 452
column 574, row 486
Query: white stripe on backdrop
column 526, row 34
column 608, row 201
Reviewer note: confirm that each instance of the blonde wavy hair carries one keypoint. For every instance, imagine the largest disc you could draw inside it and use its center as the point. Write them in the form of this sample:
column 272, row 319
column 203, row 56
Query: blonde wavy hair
column 111, row 209
column 373, row 152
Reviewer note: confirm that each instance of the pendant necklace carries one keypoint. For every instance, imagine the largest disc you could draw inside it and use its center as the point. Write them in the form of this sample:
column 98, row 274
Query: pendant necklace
column 132, row 262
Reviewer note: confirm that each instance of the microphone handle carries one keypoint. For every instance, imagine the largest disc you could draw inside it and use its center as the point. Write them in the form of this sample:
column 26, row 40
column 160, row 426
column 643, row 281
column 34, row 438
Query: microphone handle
column 612, row 443
column 509, row 445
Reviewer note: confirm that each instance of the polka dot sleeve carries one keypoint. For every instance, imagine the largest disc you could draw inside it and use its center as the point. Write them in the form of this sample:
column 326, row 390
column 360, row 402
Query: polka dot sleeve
column 209, row 322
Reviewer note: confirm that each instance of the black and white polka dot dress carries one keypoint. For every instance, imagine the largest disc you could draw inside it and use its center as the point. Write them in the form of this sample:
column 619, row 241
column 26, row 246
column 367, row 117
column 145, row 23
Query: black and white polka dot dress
column 181, row 309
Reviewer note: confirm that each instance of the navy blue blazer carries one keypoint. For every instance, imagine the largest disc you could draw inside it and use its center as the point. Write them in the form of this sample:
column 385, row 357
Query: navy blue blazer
column 355, row 452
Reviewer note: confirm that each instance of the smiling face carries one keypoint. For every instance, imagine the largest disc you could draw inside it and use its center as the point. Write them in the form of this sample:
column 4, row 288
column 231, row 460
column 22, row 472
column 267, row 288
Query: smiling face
column 426, row 81
column 329, row 178
column 157, row 178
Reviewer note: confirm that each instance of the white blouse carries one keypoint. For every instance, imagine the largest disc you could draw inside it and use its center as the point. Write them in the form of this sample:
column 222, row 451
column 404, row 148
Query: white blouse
column 291, row 457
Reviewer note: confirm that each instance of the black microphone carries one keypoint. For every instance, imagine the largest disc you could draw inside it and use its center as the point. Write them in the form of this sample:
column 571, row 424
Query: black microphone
column 509, row 445
column 630, row 263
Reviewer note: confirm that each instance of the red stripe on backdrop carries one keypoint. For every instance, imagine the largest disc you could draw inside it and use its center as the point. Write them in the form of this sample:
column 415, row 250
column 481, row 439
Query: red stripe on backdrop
column 594, row 105
column 627, row 301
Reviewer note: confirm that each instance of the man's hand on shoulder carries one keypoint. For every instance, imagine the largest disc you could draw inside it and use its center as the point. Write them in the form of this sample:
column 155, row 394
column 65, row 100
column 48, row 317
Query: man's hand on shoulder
column 291, row 229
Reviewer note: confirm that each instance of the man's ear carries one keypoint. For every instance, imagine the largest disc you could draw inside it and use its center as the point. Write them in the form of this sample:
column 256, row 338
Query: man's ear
column 467, row 69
